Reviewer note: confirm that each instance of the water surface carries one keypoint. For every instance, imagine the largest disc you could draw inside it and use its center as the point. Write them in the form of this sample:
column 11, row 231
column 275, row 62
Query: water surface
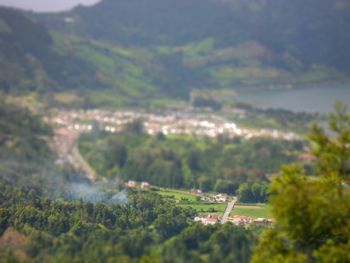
column 317, row 99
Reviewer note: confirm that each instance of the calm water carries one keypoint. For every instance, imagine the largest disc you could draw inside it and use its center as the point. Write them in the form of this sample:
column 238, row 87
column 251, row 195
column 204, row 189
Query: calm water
column 320, row 99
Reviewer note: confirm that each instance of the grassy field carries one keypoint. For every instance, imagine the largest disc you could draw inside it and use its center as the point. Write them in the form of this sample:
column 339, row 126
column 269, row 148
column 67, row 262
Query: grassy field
column 178, row 195
column 256, row 211
column 206, row 207
column 185, row 200
column 31, row 101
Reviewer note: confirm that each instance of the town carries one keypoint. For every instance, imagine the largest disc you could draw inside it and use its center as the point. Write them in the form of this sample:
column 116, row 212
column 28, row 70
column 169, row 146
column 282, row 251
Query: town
column 68, row 125
column 184, row 122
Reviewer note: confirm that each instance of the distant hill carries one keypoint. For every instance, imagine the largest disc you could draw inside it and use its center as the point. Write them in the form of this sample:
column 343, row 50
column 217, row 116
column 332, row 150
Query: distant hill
column 36, row 60
column 29, row 61
column 136, row 52
column 313, row 31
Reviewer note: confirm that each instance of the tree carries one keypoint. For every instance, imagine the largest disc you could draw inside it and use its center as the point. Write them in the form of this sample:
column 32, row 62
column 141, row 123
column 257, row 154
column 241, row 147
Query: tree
column 135, row 127
column 204, row 183
column 252, row 193
column 116, row 154
column 225, row 186
column 193, row 161
column 333, row 152
column 313, row 213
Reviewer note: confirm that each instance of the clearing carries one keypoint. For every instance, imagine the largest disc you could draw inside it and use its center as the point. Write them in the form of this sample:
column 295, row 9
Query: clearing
column 254, row 210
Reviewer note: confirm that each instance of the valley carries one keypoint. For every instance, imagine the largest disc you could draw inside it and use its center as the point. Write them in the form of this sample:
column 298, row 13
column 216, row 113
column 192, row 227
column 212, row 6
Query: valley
column 187, row 131
column 189, row 124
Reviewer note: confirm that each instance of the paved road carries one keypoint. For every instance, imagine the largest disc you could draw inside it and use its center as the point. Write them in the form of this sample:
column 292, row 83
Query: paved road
column 80, row 164
column 66, row 146
column 228, row 210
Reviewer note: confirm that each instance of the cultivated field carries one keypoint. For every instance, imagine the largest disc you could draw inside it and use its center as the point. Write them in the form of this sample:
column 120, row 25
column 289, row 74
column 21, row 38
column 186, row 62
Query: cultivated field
column 256, row 210
column 185, row 199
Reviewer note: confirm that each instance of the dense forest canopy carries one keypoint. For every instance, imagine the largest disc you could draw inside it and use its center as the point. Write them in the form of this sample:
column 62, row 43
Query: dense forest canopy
column 187, row 162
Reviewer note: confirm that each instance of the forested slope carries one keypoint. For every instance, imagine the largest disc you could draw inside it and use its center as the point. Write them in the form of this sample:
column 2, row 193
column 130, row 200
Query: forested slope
column 42, row 220
column 34, row 60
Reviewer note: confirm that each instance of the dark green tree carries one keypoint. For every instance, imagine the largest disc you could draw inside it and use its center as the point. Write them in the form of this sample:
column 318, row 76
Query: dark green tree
column 313, row 213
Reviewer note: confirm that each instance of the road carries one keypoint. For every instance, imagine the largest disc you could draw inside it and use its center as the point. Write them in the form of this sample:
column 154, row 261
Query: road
column 65, row 142
column 228, row 210
column 80, row 164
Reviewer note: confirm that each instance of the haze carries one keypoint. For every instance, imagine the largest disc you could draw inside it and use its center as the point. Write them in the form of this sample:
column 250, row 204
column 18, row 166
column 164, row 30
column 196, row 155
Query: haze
column 46, row 6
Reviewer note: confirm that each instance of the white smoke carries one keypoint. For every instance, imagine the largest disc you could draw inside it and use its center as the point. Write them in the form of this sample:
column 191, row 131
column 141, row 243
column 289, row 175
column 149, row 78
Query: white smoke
column 120, row 198
column 94, row 194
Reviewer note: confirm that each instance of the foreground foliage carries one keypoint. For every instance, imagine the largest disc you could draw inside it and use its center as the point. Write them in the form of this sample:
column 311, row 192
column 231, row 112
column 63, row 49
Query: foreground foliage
column 313, row 213
column 57, row 231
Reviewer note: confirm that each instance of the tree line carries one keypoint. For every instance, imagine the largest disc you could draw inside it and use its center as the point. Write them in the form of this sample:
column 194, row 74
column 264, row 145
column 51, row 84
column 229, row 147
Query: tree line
column 220, row 164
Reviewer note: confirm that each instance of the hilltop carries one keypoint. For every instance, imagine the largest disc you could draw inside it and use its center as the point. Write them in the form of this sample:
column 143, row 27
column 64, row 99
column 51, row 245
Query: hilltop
column 226, row 36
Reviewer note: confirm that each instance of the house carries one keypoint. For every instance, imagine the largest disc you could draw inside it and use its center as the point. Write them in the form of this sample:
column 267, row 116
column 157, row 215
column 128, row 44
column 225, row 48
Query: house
column 237, row 220
column 130, row 184
column 196, row 191
column 264, row 220
column 145, row 185
column 208, row 199
column 221, row 198
column 210, row 219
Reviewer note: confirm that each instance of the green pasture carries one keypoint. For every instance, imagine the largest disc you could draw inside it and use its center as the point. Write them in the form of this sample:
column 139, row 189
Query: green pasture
column 186, row 200
column 178, row 195
column 256, row 211
column 206, row 207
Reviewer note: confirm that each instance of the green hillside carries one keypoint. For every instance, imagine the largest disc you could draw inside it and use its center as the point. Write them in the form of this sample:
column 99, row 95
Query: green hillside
column 26, row 160
column 35, row 60
column 142, row 53
column 292, row 36
column 282, row 26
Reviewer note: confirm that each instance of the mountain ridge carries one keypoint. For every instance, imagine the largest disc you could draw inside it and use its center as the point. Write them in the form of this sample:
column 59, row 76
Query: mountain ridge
column 296, row 27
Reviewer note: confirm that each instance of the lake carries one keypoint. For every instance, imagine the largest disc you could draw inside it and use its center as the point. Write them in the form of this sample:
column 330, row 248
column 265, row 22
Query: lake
column 316, row 99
